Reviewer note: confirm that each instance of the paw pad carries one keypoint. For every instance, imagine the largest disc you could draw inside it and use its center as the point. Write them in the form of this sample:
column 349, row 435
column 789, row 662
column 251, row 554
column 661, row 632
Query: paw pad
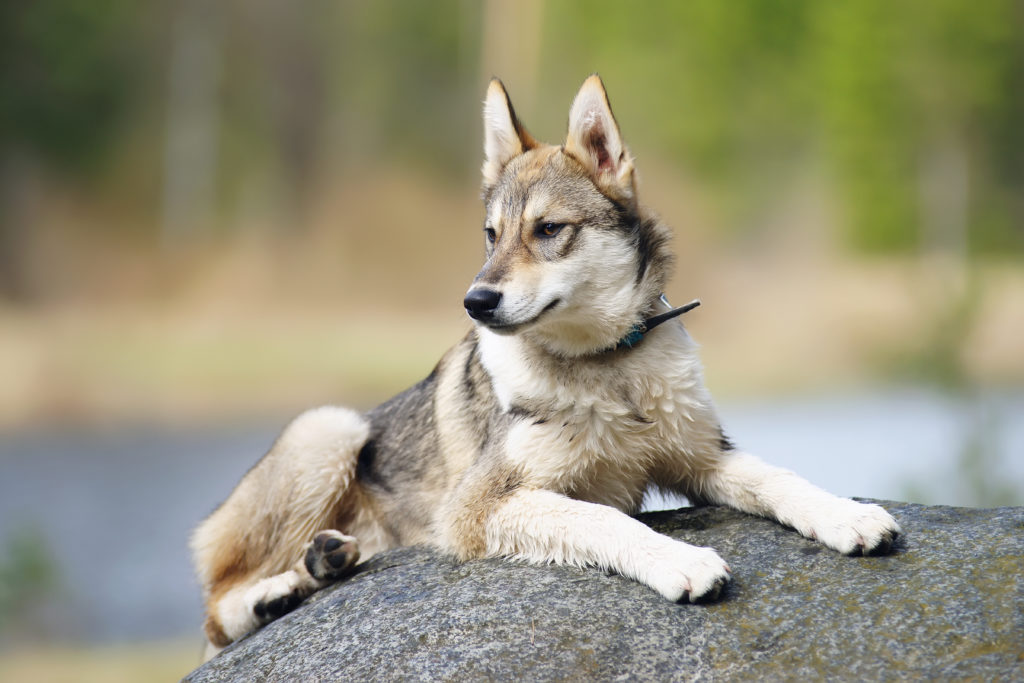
column 330, row 555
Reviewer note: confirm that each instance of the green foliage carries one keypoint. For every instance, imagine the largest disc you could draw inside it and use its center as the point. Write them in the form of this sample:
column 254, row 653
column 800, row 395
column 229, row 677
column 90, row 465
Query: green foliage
column 745, row 95
column 64, row 78
column 28, row 573
column 735, row 89
column 898, row 80
column 421, row 62
column 867, row 120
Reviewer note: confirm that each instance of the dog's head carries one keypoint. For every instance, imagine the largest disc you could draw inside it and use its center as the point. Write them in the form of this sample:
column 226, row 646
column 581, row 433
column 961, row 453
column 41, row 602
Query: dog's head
column 572, row 262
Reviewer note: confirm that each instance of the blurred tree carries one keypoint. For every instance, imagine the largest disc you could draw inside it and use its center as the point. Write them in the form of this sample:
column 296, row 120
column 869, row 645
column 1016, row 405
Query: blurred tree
column 28, row 577
column 191, row 142
column 916, row 99
column 64, row 82
column 407, row 101
column 65, row 77
column 870, row 127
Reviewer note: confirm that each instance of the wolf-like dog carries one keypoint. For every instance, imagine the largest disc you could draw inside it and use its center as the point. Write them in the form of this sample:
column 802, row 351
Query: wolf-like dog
column 537, row 435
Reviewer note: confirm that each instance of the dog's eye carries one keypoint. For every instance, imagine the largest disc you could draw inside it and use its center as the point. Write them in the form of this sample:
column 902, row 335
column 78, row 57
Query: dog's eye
column 549, row 229
column 491, row 235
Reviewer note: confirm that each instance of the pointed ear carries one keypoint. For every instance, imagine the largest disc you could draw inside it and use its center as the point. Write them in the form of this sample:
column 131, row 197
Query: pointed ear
column 504, row 137
column 594, row 140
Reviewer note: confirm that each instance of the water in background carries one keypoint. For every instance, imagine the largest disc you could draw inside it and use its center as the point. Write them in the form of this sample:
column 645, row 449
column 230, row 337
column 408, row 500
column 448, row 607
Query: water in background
column 113, row 510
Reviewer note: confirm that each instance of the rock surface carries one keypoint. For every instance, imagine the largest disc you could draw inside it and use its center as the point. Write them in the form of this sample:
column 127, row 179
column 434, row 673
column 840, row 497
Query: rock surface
column 948, row 603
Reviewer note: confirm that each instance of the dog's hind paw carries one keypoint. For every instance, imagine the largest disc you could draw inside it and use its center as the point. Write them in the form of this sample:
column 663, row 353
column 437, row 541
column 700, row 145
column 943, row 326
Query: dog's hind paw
column 855, row 528
column 269, row 608
column 277, row 595
column 693, row 575
column 330, row 555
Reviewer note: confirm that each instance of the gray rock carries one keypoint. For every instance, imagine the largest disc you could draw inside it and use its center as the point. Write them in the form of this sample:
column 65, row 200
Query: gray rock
column 948, row 603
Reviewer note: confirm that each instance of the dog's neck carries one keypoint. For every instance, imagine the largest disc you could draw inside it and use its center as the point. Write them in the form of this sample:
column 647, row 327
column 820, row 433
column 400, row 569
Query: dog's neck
column 637, row 332
column 656, row 313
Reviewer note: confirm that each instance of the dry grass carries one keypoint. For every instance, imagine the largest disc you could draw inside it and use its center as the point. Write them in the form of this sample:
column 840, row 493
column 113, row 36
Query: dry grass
column 137, row 663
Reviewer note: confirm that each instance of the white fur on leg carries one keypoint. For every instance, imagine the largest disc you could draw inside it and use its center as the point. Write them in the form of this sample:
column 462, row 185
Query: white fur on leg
column 541, row 526
column 746, row 483
column 236, row 610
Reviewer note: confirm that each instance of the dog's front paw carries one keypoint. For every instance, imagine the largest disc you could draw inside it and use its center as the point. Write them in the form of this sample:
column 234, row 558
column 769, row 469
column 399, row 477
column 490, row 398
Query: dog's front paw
column 330, row 555
column 855, row 528
column 690, row 574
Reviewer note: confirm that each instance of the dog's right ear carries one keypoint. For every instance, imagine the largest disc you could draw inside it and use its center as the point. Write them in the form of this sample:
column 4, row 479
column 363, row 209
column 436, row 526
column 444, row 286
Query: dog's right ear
column 504, row 137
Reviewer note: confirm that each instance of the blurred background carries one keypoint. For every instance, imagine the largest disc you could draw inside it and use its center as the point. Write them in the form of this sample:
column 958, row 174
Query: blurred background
column 216, row 214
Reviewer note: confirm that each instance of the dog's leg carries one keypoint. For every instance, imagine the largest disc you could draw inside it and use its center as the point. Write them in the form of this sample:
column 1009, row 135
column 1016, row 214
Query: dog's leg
column 254, row 555
column 541, row 526
column 746, row 483
column 257, row 601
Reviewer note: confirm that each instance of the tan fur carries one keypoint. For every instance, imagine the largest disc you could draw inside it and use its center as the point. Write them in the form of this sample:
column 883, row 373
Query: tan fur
column 299, row 488
column 535, row 436
column 479, row 494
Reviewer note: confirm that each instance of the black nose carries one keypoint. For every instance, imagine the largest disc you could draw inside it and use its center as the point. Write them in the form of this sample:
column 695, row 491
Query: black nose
column 480, row 303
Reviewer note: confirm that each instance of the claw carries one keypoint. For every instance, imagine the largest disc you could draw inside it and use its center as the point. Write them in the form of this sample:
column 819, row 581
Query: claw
column 710, row 595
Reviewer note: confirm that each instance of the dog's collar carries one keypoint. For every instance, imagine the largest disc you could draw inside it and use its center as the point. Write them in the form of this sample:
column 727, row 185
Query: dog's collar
column 637, row 332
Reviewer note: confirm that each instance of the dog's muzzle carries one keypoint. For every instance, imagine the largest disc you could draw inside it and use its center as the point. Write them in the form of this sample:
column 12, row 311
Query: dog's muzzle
column 481, row 303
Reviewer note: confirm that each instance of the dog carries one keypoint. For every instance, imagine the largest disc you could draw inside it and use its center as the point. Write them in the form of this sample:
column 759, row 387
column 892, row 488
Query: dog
column 538, row 434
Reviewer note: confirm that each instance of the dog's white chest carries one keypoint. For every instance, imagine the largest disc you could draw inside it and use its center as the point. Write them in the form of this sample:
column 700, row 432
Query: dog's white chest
column 597, row 433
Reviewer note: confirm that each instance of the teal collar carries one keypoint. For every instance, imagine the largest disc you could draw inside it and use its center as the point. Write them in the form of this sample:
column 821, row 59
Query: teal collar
column 637, row 332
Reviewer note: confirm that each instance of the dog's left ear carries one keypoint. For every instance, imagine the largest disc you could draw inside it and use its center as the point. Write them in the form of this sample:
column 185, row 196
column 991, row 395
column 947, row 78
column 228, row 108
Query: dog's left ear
column 594, row 140
column 504, row 137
